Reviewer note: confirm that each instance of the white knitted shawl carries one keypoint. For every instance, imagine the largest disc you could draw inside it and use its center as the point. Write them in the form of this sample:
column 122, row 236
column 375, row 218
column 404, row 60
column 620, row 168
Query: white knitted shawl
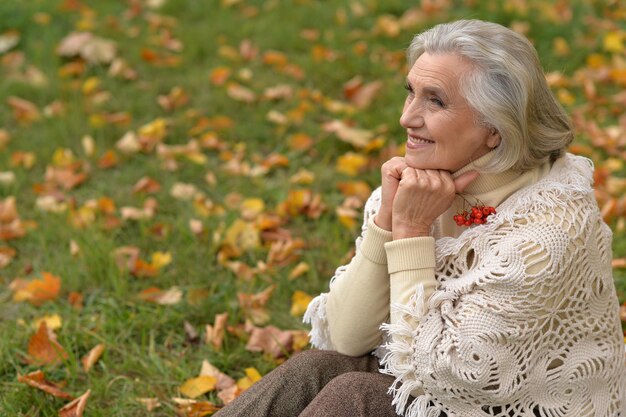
column 498, row 340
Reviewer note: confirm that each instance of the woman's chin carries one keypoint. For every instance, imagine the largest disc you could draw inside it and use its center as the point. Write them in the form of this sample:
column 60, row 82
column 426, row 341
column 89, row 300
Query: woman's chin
column 418, row 163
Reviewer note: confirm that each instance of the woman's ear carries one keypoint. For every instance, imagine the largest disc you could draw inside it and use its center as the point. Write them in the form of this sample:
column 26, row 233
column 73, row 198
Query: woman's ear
column 493, row 140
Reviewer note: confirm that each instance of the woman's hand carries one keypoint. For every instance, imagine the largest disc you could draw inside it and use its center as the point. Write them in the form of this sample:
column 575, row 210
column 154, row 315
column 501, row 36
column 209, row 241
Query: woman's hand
column 421, row 197
column 391, row 172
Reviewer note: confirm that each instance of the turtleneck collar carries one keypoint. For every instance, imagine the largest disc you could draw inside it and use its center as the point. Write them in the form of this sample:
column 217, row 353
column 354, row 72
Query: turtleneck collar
column 486, row 181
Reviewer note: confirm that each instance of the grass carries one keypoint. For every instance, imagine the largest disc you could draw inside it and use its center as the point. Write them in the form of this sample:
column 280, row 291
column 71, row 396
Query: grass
column 148, row 354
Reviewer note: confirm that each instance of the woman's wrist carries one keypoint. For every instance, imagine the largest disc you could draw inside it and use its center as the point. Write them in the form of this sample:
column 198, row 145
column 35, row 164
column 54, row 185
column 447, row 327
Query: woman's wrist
column 383, row 221
column 406, row 232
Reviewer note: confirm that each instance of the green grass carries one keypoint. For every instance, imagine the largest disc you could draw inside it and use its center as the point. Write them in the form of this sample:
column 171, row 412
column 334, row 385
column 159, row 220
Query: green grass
column 147, row 354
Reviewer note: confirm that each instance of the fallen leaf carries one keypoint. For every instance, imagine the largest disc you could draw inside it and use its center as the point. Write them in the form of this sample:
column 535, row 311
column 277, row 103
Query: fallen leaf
column 43, row 348
column 92, row 357
column 6, row 255
column 299, row 270
column 37, row 291
column 240, row 93
column 359, row 138
column 201, row 409
column 299, row 303
column 229, row 395
column 351, row 163
column 253, row 305
column 214, row 335
column 38, row 380
column 24, row 111
column 53, row 322
column 270, row 340
column 223, row 381
column 163, row 297
column 76, row 407
column 150, row 403
column 252, row 376
column 195, row 387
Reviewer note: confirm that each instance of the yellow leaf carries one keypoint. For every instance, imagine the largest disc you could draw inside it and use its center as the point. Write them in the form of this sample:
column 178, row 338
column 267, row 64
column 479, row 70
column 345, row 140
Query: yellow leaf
column 299, row 302
column 351, row 163
column 161, row 259
column 565, row 97
column 595, row 61
column 252, row 376
column 299, row 269
column 195, row 387
column 251, row 207
column 53, row 322
column 90, row 85
column 63, row 157
column 242, row 236
column 613, row 42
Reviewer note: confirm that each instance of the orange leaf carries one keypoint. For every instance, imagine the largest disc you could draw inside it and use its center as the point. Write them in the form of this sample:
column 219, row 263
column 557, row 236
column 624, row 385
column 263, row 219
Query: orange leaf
column 108, row 160
column 37, row 380
column 76, row 407
column 6, row 255
column 43, row 348
column 92, row 357
column 201, row 409
column 37, row 291
column 219, row 75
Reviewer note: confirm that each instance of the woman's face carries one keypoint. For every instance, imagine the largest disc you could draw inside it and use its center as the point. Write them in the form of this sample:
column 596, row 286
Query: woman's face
column 441, row 127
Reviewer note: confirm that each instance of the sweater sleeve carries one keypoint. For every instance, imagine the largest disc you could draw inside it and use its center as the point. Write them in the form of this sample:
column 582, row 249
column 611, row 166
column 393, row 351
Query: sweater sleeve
column 348, row 317
column 358, row 302
column 411, row 262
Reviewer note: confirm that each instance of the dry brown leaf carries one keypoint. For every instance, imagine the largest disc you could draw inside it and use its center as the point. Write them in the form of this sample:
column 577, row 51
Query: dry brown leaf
column 215, row 334
column 253, row 305
column 92, row 357
column 93, row 49
column 228, row 395
column 191, row 334
column 358, row 138
column 43, row 348
column 156, row 295
column 150, row 403
column 240, row 93
column 223, row 380
column 24, row 111
column 76, row 407
column 271, row 340
column 38, row 380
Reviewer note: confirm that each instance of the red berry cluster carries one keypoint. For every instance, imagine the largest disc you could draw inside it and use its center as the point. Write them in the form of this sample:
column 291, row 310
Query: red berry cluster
column 477, row 215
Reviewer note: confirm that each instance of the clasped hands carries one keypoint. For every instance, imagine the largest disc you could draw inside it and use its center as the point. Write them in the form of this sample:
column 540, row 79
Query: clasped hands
column 413, row 198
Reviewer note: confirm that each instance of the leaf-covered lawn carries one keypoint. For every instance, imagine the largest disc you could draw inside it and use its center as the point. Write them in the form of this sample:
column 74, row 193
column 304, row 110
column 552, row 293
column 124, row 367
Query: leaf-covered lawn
column 178, row 178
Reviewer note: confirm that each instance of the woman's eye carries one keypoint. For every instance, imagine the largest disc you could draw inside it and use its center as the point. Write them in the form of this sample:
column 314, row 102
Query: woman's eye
column 436, row 101
column 408, row 88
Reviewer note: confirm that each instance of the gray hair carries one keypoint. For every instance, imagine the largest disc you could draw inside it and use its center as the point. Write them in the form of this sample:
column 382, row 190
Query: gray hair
column 507, row 90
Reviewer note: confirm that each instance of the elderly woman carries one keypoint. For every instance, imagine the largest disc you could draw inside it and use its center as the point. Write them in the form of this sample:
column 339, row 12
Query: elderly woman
column 483, row 275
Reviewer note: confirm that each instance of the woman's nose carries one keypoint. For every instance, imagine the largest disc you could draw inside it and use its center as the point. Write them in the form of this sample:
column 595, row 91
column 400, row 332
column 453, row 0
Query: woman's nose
column 412, row 115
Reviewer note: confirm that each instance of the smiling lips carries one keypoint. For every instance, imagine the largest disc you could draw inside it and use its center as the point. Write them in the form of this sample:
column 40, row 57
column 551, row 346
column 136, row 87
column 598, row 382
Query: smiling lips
column 416, row 141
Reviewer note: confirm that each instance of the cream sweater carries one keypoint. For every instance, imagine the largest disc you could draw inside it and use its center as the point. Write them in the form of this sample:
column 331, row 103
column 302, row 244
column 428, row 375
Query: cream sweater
column 513, row 316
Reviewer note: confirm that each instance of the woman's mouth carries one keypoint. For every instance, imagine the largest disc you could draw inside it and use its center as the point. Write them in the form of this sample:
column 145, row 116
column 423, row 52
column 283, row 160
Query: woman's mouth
column 417, row 142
